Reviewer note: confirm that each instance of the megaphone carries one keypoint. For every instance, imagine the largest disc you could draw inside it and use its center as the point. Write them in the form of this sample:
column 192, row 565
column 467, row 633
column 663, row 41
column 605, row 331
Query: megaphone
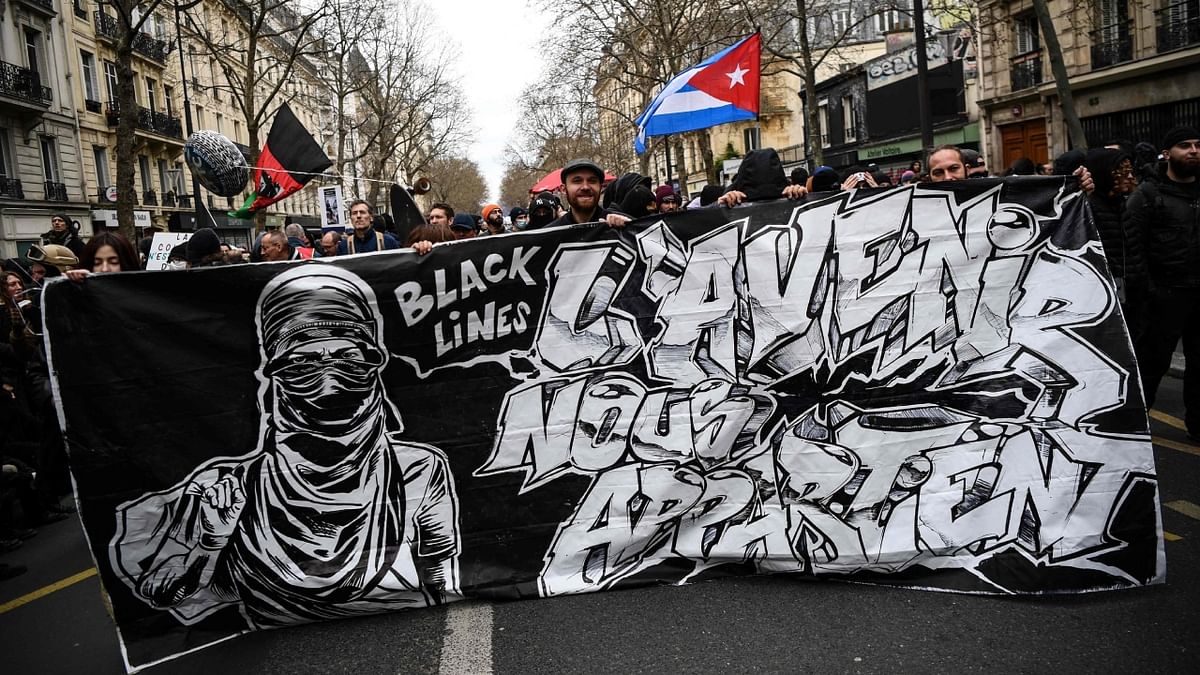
column 421, row 186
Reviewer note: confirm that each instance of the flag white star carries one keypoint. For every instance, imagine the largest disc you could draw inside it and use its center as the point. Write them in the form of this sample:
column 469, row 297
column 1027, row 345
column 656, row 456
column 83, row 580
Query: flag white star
column 736, row 77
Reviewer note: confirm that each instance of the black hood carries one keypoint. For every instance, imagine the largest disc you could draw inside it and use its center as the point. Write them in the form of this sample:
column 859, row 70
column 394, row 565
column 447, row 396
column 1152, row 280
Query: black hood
column 1101, row 162
column 617, row 191
column 760, row 175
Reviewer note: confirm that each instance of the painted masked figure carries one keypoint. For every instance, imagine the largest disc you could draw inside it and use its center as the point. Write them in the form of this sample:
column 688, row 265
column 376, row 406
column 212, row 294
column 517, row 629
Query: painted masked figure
column 332, row 515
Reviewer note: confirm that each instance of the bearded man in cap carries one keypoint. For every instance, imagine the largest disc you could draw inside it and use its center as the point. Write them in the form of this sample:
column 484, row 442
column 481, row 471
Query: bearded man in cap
column 583, row 181
column 332, row 514
column 1162, row 217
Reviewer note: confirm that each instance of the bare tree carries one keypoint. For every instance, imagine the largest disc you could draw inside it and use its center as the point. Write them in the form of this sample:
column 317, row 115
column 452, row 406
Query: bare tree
column 396, row 96
column 260, row 48
column 458, row 182
column 624, row 51
column 131, row 17
column 515, row 184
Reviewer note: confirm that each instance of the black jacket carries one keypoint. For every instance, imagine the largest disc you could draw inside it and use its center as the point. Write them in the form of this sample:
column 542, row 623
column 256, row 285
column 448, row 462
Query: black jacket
column 1124, row 253
column 68, row 239
column 1165, row 215
column 568, row 218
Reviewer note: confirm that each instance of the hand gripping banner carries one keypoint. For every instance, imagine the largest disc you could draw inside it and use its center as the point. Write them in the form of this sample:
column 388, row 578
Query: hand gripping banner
column 929, row 387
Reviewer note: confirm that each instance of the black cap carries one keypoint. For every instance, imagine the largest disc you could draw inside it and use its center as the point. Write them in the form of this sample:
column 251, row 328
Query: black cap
column 203, row 243
column 463, row 221
column 1174, row 137
column 580, row 164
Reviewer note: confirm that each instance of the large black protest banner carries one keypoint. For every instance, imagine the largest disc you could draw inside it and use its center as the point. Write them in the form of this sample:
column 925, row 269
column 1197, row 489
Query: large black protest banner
column 926, row 386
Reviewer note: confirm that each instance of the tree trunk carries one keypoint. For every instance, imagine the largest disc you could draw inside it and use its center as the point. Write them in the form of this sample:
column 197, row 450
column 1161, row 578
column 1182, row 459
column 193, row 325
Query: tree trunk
column 1061, row 81
column 812, row 128
column 126, row 125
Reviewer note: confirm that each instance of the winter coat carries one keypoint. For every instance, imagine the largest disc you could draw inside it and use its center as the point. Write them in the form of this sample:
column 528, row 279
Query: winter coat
column 1165, row 215
column 1124, row 253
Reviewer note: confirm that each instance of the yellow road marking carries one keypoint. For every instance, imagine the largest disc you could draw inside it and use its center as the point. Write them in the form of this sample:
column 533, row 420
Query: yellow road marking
column 1169, row 420
column 1185, row 507
column 1171, row 536
column 47, row 590
column 1175, row 445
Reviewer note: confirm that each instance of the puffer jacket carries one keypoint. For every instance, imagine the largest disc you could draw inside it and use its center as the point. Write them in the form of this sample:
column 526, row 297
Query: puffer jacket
column 1165, row 216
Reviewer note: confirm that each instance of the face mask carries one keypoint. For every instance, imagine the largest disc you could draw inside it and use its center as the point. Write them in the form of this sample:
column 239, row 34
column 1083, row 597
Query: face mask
column 328, row 398
column 521, row 223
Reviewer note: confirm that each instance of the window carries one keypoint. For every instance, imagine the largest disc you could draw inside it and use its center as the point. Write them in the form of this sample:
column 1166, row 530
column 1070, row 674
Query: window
column 751, row 139
column 168, row 98
column 220, row 126
column 91, row 91
column 177, row 176
column 164, row 177
column 49, row 159
column 823, row 123
column 1026, row 28
column 5, row 154
column 100, row 155
column 849, row 119
column 237, row 131
column 199, row 117
column 33, row 50
column 891, row 20
column 841, row 22
column 110, row 77
column 152, row 94
column 144, row 170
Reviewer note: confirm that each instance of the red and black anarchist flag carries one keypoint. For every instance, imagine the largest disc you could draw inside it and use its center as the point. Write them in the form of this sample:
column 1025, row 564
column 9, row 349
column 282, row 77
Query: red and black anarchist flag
column 290, row 159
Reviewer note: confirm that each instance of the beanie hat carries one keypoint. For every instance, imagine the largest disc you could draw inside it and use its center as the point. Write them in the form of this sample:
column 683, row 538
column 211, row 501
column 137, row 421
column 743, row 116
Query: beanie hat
column 516, row 212
column 1178, row 135
column 203, row 243
column 463, row 221
column 488, row 208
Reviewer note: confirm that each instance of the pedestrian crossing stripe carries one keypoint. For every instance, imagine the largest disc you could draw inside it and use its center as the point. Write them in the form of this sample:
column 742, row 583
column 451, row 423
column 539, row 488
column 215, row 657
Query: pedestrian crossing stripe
column 47, row 590
column 1185, row 507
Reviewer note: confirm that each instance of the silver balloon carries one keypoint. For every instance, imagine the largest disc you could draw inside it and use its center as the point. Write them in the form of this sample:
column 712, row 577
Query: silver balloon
column 216, row 162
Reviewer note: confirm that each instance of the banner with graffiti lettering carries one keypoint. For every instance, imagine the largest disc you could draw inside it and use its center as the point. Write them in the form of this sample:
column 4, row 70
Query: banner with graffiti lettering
column 924, row 386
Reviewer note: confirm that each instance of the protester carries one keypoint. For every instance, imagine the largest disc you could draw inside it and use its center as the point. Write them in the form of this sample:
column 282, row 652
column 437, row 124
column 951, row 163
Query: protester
column 760, row 176
column 1113, row 171
column 582, row 181
column 274, row 247
column 105, row 252
column 330, row 241
column 799, row 176
column 824, row 179
column 615, row 192
column 1162, row 212
column 946, row 163
column 1069, row 162
column 856, row 177
column 908, row 177
column 63, row 233
column 667, row 199
column 543, row 209
column 493, row 219
column 463, row 226
column 709, row 194
column 639, row 203
column 440, row 214
column 1022, row 166
column 365, row 238
column 973, row 161
column 519, row 218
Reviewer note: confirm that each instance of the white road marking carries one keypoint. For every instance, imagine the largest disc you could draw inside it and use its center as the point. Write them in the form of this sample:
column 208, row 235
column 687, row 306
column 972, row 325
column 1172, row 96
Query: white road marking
column 467, row 642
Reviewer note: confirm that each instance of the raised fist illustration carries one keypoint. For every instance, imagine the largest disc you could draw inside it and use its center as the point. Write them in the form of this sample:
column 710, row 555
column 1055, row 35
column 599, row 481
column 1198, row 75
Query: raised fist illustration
column 222, row 498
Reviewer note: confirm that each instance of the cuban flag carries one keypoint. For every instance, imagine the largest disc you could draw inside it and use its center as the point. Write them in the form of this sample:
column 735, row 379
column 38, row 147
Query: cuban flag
column 721, row 89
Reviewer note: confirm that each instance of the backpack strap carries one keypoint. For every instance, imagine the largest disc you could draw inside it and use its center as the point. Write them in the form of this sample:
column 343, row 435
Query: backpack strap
column 378, row 240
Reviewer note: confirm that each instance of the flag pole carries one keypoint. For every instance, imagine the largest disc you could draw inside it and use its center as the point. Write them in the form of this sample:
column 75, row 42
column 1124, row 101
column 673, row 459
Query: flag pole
column 667, row 140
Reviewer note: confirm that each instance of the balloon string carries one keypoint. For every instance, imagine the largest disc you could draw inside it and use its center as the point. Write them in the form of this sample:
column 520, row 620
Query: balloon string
column 333, row 176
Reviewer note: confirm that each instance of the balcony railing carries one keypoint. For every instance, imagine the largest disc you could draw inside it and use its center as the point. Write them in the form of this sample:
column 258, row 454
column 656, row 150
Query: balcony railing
column 185, row 201
column 148, row 120
column 1026, row 70
column 11, row 188
column 55, row 192
column 1112, row 44
column 143, row 43
column 1177, row 25
column 23, row 83
column 150, row 198
column 168, row 199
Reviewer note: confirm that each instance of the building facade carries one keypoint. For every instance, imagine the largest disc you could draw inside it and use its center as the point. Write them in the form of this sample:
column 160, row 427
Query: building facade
column 1132, row 66
column 59, row 115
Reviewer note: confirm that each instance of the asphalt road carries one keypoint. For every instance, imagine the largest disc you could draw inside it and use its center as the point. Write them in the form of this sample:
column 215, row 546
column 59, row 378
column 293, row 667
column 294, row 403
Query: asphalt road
column 762, row 624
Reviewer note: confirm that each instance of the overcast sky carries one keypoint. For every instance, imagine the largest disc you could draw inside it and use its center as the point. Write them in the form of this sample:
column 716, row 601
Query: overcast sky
column 498, row 57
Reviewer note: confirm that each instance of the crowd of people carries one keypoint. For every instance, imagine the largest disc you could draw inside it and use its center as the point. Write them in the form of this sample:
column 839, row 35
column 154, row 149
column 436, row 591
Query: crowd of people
column 1145, row 204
